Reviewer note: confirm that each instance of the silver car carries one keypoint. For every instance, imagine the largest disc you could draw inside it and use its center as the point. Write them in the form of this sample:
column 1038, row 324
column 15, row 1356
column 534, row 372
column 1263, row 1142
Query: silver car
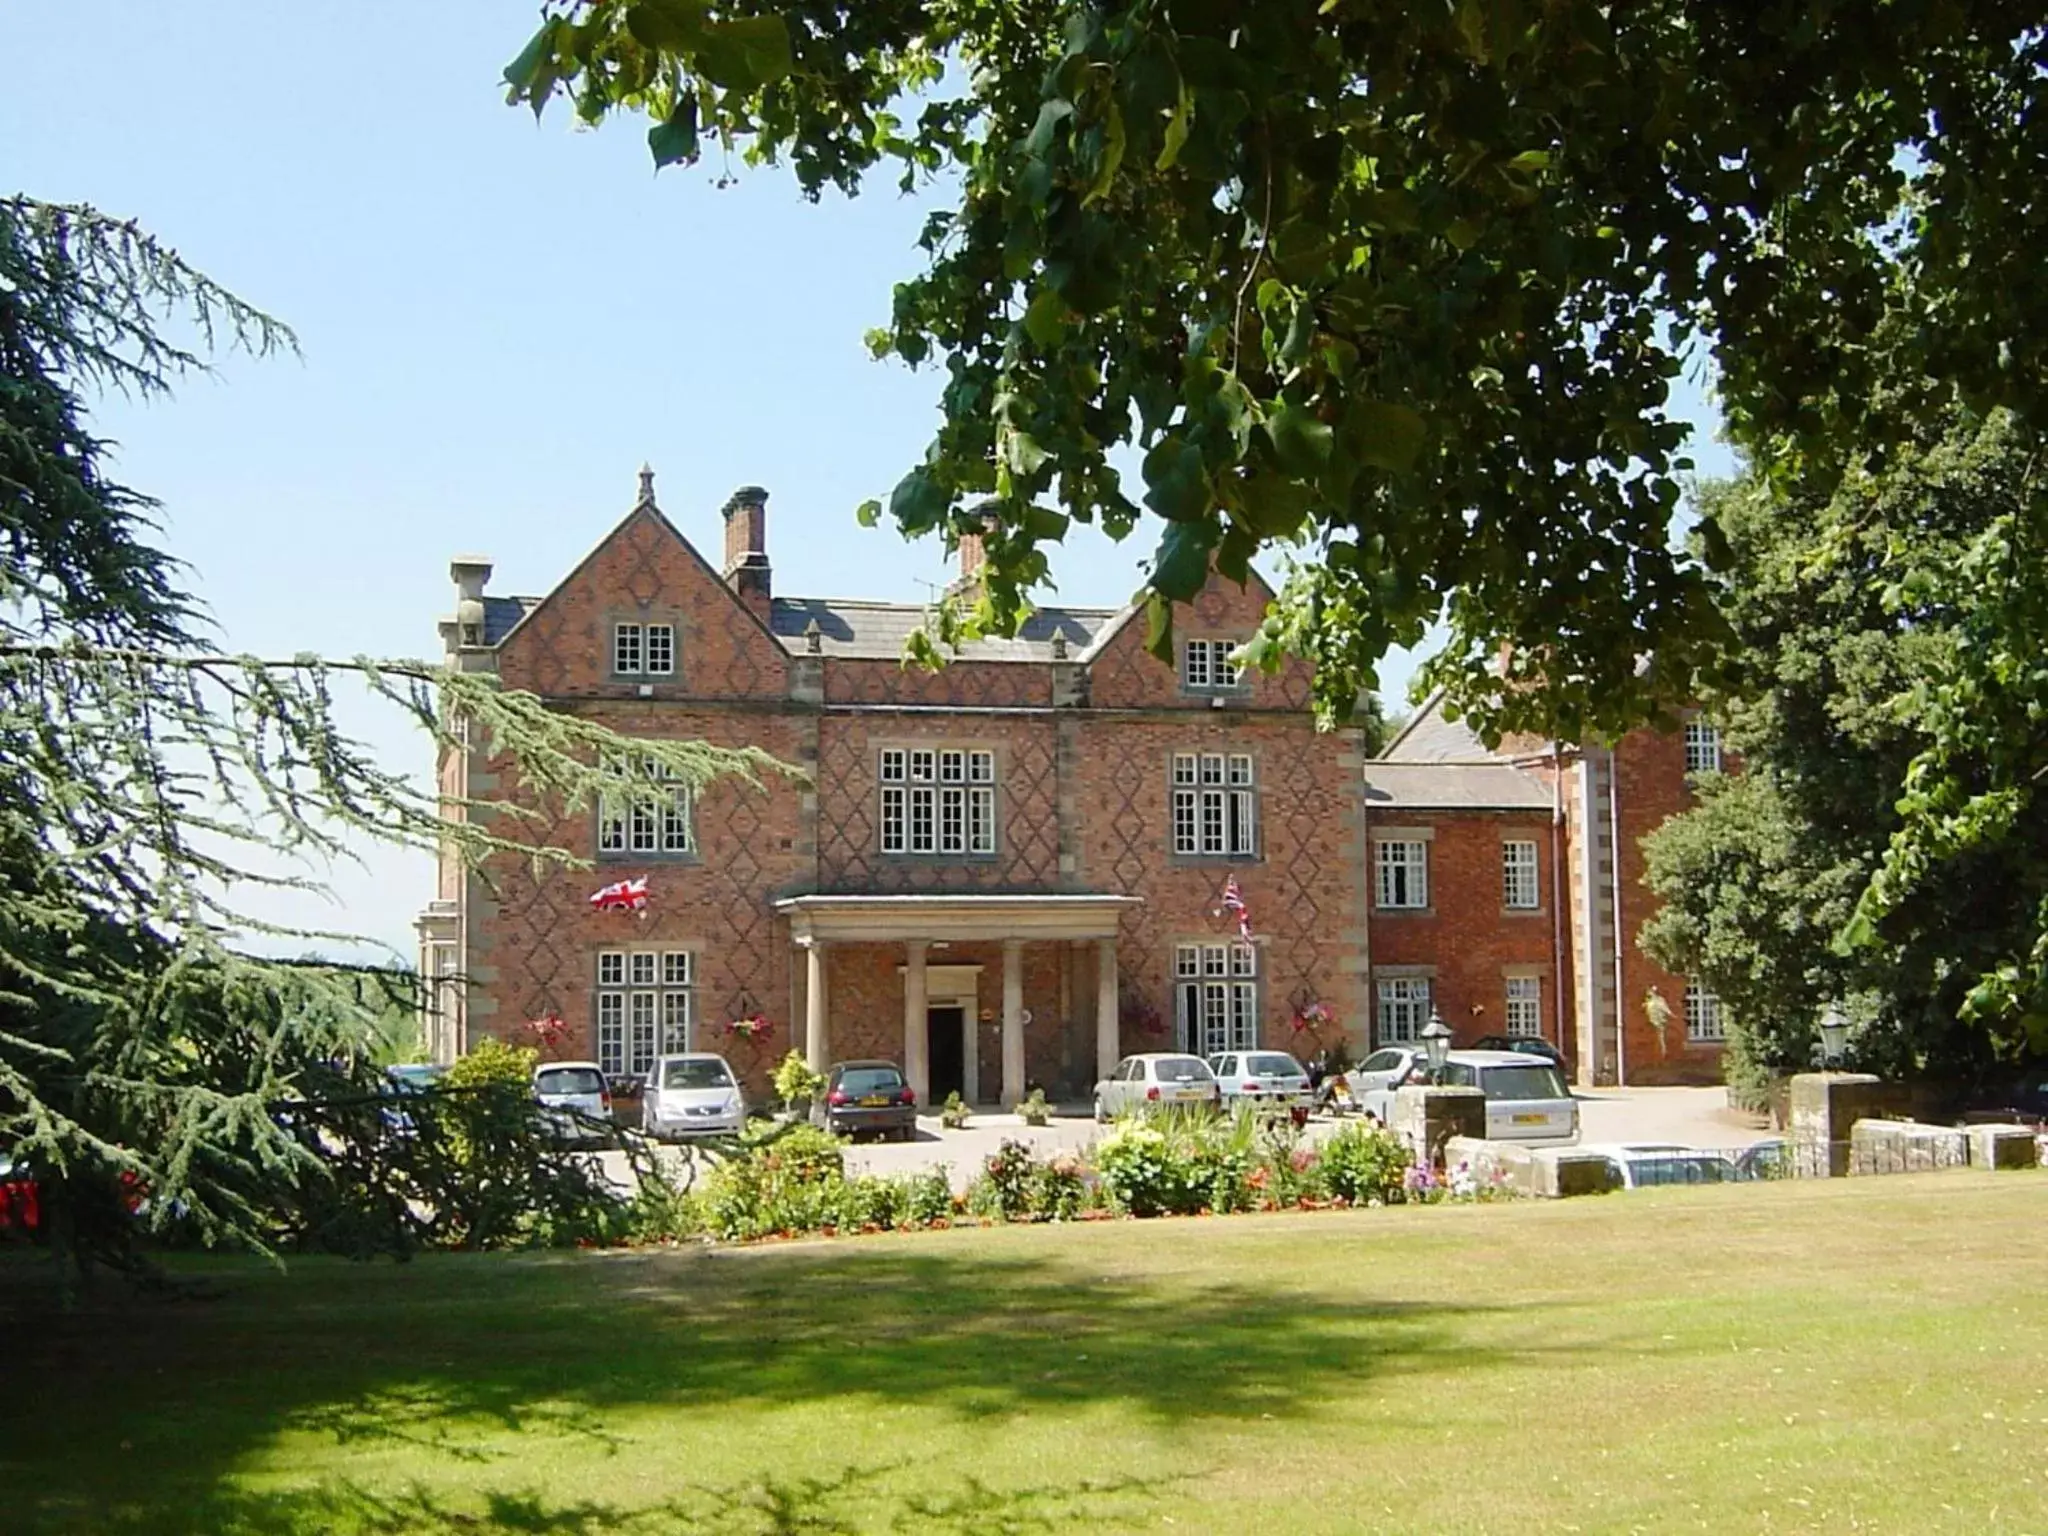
column 694, row 1094
column 1156, row 1080
column 577, row 1093
column 1526, row 1097
column 1270, row 1080
column 1640, row 1165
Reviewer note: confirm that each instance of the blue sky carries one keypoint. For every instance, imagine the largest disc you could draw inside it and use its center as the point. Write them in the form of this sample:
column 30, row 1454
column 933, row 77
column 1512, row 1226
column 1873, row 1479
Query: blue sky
column 500, row 322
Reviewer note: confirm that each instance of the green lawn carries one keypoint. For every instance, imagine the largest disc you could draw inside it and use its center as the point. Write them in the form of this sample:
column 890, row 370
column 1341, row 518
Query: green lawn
column 1863, row 1355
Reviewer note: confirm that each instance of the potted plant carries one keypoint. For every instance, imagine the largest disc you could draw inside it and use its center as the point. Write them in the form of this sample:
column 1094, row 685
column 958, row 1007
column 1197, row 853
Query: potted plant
column 1034, row 1110
column 954, row 1112
column 796, row 1085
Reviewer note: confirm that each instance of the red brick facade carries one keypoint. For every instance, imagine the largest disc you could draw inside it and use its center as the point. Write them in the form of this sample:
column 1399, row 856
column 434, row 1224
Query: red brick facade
column 1081, row 729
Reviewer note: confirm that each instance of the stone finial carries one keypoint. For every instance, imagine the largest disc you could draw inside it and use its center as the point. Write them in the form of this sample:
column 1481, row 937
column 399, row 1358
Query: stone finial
column 646, row 485
column 1059, row 645
column 814, row 639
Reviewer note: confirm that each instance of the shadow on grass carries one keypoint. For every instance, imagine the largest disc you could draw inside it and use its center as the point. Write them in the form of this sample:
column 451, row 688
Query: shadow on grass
column 144, row 1413
column 842, row 1505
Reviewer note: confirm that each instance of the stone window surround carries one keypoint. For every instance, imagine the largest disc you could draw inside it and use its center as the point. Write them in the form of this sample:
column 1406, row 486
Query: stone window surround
column 616, row 614
column 996, row 748
column 1239, row 689
column 629, row 855
column 1256, row 789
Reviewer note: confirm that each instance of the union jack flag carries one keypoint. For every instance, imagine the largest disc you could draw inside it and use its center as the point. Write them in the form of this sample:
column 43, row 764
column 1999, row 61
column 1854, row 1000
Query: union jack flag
column 1233, row 901
column 621, row 896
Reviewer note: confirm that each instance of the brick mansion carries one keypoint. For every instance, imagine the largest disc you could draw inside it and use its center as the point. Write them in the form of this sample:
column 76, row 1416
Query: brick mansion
column 1009, row 872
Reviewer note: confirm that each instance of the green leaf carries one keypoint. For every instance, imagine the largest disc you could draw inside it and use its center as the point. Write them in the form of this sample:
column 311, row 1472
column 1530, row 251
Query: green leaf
column 674, row 140
column 1045, row 320
column 1530, row 161
column 667, row 26
column 1044, row 523
column 745, row 53
column 868, row 514
column 1181, row 568
column 1177, row 129
column 539, row 49
column 1177, row 480
column 1050, row 116
column 918, row 502
column 1387, row 435
column 1300, row 441
column 1158, row 626
column 1023, row 455
column 1112, row 156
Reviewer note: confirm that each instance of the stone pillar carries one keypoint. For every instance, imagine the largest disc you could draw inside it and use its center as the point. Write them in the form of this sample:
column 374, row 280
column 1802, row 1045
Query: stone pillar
column 1825, row 1107
column 1013, row 1022
column 1428, row 1117
column 916, row 1048
column 1108, row 1037
column 817, row 1031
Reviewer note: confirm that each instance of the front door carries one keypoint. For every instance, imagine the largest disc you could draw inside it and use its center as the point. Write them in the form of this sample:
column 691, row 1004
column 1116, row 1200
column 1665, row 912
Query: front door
column 945, row 1029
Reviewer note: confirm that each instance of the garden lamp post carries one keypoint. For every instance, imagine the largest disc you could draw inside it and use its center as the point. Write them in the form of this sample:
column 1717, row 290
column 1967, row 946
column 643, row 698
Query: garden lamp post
column 1834, row 1035
column 1436, row 1042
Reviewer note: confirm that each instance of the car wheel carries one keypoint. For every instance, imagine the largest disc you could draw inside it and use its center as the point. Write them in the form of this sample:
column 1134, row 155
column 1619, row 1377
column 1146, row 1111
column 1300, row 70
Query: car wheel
column 1101, row 1115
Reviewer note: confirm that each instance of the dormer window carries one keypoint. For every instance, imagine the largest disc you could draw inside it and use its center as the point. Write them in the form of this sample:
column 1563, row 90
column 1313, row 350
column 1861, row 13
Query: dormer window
column 1206, row 665
column 643, row 650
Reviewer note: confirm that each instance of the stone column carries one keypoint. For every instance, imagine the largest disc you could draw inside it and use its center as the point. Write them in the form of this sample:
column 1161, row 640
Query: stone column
column 817, row 1031
column 1013, row 1022
column 916, row 1046
column 1108, row 1039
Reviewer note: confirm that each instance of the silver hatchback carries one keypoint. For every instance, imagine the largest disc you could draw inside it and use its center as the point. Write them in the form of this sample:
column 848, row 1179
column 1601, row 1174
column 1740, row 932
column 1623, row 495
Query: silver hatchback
column 1271, row 1080
column 693, row 1094
column 1156, row 1080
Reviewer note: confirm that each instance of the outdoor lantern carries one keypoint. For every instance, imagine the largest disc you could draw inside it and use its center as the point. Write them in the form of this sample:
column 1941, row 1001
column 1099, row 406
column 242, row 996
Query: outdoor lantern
column 1834, row 1034
column 1436, row 1040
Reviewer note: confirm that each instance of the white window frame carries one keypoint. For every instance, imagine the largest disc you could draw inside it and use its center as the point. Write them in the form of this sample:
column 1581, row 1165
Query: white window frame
column 646, row 822
column 1520, row 886
column 1702, row 747
column 1401, row 867
column 1401, row 1007
column 1215, row 805
column 937, row 802
column 1523, row 1010
column 1206, row 667
column 646, row 1007
column 661, row 650
column 1216, row 997
column 628, row 649
column 643, row 650
column 1706, row 1021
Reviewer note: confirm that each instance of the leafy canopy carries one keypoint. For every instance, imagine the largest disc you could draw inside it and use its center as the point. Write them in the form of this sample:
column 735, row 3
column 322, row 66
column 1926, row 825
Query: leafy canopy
column 1400, row 287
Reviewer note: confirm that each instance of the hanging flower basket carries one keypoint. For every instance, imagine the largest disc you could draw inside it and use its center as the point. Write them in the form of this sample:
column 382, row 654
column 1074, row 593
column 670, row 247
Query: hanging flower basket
column 753, row 1026
column 1314, row 1018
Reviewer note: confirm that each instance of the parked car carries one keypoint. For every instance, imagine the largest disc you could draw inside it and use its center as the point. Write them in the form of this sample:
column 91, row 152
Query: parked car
column 577, row 1093
column 869, row 1096
column 694, row 1094
column 1769, row 1159
column 1639, row 1165
column 1155, row 1080
column 2021, row 1099
column 1527, row 1045
column 1270, row 1080
column 1526, row 1098
column 403, row 1081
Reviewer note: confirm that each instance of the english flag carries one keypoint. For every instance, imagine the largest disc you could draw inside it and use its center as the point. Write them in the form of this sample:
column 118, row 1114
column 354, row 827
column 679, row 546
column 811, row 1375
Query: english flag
column 1233, row 901
column 621, row 896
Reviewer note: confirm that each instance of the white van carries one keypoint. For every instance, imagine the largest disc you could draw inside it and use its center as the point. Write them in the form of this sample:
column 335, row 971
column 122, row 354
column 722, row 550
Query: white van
column 1526, row 1097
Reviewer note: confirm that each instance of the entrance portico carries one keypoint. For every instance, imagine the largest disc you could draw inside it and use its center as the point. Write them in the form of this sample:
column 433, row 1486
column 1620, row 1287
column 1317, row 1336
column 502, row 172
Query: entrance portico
column 920, row 922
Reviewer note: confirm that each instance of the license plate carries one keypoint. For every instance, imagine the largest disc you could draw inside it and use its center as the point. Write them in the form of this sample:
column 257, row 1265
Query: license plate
column 1532, row 1119
column 873, row 1101
column 1190, row 1094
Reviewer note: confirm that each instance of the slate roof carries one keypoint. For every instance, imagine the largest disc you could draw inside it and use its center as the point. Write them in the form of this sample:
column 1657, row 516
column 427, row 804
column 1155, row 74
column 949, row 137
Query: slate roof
column 501, row 613
column 854, row 629
column 1440, row 764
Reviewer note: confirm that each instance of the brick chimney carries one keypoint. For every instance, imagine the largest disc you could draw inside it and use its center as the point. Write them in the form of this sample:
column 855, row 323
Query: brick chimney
column 746, row 547
column 973, row 554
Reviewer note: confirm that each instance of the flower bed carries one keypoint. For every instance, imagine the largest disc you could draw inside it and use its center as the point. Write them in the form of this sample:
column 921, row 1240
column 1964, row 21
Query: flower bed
column 793, row 1181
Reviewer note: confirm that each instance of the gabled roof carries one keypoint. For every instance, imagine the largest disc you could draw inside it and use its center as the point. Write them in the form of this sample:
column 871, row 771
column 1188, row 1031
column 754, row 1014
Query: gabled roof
column 1440, row 764
column 858, row 630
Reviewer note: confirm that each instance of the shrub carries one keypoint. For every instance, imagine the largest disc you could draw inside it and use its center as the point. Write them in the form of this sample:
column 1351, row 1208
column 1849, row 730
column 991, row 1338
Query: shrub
column 953, row 1114
column 1148, row 1169
column 1003, row 1190
column 928, row 1198
column 873, row 1201
column 1034, row 1110
column 1059, row 1188
column 789, row 1179
column 1364, row 1164
column 803, row 1152
column 492, row 1062
column 1222, row 1155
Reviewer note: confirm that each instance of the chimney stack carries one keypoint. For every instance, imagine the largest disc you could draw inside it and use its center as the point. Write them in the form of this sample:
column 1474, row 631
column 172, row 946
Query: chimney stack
column 973, row 555
column 465, row 630
column 746, row 547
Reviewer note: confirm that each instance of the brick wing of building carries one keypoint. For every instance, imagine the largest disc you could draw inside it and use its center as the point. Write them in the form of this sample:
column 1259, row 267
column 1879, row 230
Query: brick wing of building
column 1498, row 899
column 1004, row 874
